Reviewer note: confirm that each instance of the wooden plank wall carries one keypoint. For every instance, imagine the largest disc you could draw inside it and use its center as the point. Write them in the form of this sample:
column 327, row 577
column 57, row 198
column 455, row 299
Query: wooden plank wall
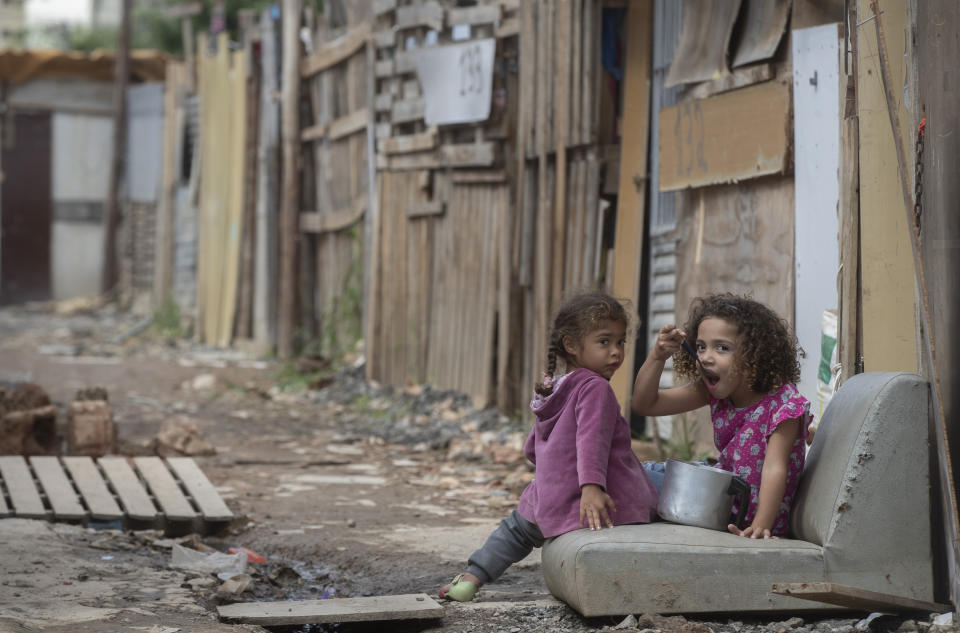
column 562, row 153
column 439, row 301
column 335, row 175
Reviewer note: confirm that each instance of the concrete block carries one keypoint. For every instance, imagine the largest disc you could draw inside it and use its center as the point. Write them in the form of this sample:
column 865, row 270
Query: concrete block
column 90, row 429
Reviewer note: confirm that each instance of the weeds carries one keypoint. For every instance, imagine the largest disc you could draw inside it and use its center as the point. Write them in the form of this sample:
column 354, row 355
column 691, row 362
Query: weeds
column 166, row 320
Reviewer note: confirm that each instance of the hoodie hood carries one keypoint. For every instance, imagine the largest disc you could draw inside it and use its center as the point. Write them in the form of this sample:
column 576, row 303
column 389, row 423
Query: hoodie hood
column 545, row 407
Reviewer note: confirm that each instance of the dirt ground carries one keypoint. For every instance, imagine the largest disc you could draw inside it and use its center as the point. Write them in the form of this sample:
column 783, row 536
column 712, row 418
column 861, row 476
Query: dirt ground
column 349, row 489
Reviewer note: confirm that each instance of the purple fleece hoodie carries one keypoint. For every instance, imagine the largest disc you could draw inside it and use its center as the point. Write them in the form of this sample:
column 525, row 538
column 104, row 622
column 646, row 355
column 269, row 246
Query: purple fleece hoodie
column 581, row 438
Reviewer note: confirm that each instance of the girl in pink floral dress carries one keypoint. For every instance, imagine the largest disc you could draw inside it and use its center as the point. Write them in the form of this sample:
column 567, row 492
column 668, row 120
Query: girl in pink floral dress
column 745, row 369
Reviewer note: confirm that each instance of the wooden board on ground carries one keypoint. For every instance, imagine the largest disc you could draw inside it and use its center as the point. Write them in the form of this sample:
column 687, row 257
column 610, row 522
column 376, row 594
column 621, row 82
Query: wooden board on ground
column 164, row 488
column 726, row 138
column 60, row 493
column 854, row 598
column 204, row 494
column 125, row 482
column 375, row 608
column 95, row 493
column 23, row 492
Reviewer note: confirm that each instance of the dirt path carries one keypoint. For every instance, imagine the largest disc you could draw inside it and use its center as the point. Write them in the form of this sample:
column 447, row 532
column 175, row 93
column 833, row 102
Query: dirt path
column 349, row 490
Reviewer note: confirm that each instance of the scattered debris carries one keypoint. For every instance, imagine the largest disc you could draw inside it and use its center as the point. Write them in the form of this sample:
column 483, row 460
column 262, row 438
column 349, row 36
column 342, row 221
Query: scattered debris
column 203, row 382
column 629, row 622
column 181, row 437
column 252, row 556
column 234, row 586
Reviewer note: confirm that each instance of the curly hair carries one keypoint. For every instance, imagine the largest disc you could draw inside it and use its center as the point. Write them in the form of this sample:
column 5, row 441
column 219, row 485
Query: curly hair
column 579, row 315
column 766, row 349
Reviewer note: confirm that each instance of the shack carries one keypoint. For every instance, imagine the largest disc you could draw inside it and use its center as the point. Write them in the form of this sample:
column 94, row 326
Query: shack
column 57, row 126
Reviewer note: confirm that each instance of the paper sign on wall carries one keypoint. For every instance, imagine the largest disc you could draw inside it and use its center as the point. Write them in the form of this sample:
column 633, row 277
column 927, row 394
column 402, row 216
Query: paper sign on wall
column 457, row 81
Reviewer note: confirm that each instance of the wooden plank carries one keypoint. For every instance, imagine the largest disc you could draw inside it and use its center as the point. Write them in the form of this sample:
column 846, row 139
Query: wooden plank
column 164, row 488
column 590, row 76
column 24, row 496
column 727, row 138
column 411, row 143
column 60, row 493
column 561, row 114
column 484, row 177
column 482, row 14
column 383, row 102
column 411, row 89
column 330, row 221
column 133, row 496
column 374, row 608
column 384, row 39
column 469, row 154
column 383, row 68
column 406, row 111
column 384, row 6
column 93, row 488
column 426, row 209
column 352, row 123
column 404, row 62
column 855, row 598
column 313, row 133
column 428, row 14
column 335, row 51
column 508, row 28
column 757, row 73
column 204, row 494
column 628, row 243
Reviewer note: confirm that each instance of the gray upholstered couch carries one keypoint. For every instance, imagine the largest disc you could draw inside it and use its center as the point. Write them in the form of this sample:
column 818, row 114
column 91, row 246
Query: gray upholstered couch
column 861, row 518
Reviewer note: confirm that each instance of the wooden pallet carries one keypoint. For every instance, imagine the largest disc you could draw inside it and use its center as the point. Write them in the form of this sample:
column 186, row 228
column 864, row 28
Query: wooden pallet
column 142, row 492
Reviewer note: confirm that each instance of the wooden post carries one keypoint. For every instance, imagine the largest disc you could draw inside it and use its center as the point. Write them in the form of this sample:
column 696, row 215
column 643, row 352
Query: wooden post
column 264, row 288
column 290, row 143
column 111, row 216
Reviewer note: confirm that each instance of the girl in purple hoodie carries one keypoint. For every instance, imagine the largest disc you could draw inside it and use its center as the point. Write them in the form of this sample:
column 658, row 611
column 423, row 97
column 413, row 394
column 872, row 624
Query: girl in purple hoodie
column 587, row 474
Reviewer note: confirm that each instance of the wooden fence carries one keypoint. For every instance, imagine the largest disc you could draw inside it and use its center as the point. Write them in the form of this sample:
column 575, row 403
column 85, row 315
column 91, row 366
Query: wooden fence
column 336, row 176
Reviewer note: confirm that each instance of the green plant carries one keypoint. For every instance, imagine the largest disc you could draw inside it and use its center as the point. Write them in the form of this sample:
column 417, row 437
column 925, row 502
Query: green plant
column 682, row 447
column 342, row 324
column 166, row 320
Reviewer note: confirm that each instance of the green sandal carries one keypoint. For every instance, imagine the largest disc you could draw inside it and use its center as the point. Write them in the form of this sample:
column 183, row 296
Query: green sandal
column 461, row 590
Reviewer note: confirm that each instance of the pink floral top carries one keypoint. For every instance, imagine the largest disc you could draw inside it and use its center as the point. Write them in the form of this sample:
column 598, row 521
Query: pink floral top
column 741, row 437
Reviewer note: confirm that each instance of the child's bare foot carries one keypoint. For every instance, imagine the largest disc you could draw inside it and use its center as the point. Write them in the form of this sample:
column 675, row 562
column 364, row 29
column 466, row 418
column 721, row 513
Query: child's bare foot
column 463, row 588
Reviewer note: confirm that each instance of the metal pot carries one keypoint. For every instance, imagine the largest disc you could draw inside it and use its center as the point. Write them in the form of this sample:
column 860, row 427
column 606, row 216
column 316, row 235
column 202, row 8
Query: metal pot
column 700, row 495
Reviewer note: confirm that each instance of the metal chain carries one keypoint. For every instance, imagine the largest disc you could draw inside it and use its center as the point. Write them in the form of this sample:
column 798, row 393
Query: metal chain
column 918, row 177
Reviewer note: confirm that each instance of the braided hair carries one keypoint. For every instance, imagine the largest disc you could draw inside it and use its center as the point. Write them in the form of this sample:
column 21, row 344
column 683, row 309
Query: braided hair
column 577, row 316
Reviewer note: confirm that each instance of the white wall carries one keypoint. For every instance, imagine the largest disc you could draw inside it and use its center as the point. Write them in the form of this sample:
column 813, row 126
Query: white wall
column 817, row 118
column 77, row 252
column 81, row 160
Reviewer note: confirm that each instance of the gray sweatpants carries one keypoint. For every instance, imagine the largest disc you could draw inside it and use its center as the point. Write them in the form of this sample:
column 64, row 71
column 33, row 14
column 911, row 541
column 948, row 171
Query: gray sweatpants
column 516, row 537
column 510, row 543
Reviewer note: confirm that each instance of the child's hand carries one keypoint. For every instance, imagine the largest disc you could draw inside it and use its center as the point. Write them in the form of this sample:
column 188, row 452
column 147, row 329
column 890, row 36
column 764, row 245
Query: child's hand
column 752, row 531
column 668, row 342
column 593, row 505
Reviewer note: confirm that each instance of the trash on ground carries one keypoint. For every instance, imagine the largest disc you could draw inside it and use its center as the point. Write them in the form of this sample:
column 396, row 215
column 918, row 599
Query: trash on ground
column 223, row 565
column 252, row 556
column 181, row 437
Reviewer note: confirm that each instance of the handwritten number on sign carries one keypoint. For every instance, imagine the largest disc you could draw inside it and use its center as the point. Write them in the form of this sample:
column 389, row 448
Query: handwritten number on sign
column 471, row 71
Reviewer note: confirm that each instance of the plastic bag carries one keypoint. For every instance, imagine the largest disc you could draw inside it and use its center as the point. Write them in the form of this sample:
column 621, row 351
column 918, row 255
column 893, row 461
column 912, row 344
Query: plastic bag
column 223, row 565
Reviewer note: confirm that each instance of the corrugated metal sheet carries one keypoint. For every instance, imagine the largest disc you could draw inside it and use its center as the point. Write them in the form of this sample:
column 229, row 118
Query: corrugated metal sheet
column 667, row 22
column 145, row 141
